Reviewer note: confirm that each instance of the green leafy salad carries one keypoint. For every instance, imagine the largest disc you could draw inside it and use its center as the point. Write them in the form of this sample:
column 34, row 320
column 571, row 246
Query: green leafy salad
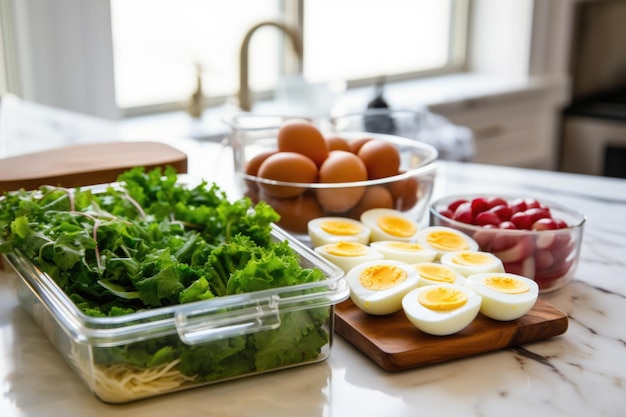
column 150, row 241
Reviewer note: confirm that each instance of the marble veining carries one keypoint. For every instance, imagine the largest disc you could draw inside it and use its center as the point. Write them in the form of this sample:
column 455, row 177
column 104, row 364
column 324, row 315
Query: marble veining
column 579, row 373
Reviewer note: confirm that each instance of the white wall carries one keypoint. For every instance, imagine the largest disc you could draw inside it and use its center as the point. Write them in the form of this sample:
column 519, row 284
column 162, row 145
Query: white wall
column 62, row 51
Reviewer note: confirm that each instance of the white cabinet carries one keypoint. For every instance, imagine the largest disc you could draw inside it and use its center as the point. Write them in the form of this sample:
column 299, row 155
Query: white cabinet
column 516, row 129
column 588, row 143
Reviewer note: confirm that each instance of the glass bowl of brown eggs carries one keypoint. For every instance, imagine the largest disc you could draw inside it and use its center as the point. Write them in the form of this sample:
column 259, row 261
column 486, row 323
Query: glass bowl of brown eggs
column 305, row 169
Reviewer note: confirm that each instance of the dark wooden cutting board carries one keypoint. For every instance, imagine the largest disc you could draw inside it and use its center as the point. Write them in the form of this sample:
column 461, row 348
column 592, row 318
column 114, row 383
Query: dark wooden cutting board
column 87, row 164
column 395, row 344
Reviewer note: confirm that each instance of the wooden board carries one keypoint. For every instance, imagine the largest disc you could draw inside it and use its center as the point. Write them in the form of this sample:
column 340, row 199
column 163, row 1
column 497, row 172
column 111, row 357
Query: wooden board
column 80, row 165
column 395, row 344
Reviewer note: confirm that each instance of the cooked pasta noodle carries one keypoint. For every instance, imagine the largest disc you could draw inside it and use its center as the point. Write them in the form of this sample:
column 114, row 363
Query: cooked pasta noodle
column 123, row 382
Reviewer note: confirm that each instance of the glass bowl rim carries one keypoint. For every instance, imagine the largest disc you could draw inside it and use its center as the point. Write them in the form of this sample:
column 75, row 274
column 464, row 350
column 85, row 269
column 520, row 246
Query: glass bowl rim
column 425, row 166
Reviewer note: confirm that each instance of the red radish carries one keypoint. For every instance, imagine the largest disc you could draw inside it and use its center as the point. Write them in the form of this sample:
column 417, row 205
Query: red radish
column 484, row 238
column 522, row 220
column 522, row 250
column 463, row 213
column 552, row 240
column 503, row 212
column 545, row 240
column 518, row 205
column 532, row 203
column 479, row 205
column 545, row 223
column 537, row 213
column 452, row 206
column 504, row 241
column 560, row 223
column 496, row 201
column 486, row 218
column 557, row 272
column 564, row 251
column 525, row 268
column 543, row 259
column 507, row 225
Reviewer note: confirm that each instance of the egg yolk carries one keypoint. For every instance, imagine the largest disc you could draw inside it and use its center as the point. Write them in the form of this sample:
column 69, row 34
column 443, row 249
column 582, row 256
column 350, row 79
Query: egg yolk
column 396, row 226
column 442, row 299
column 340, row 228
column 382, row 277
column 507, row 285
column 448, row 241
column 436, row 273
column 404, row 246
column 346, row 249
column 469, row 258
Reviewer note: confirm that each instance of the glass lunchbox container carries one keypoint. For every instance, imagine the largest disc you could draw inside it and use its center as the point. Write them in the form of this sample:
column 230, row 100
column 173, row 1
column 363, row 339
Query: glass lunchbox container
column 188, row 345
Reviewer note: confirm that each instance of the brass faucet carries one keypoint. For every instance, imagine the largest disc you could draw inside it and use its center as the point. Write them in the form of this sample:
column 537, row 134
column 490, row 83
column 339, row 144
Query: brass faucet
column 195, row 104
column 245, row 103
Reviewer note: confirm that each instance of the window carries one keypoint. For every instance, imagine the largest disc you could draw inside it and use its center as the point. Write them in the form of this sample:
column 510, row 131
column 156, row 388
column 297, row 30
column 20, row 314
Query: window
column 156, row 52
column 361, row 40
column 159, row 44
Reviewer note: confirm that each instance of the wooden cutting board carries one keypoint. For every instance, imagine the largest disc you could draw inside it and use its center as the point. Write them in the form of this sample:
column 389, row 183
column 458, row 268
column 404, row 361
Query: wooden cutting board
column 87, row 164
column 395, row 344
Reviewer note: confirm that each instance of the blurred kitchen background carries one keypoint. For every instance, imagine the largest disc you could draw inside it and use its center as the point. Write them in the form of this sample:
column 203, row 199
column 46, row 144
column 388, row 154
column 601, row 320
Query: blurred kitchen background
column 537, row 84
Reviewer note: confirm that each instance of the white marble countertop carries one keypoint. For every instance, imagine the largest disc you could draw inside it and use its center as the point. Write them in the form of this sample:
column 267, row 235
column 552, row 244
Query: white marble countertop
column 579, row 373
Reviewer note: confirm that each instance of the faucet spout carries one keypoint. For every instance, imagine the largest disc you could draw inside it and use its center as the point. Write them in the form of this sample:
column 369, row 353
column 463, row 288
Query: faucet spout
column 245, row 102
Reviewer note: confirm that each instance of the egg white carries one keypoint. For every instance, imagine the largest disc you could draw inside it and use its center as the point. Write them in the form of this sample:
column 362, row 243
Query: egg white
column 371, row 218
column 380, row 302
column 319, row 236
column 441, row 323
column 404, row 251
column 465, row 242
column 502, row 306
column 457, row 278
column 494, row 264
column 331, row 251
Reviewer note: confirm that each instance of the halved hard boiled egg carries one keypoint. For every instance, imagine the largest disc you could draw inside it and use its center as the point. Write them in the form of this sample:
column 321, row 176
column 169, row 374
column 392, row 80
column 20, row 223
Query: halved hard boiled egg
column 377, row 287
column 324, row 230
column 468, row 262
column 347, row 255
column 505, row 296
column 404, row 251
column 441, row 309
column 433, row 273
column 389, row 224
column 444, row 239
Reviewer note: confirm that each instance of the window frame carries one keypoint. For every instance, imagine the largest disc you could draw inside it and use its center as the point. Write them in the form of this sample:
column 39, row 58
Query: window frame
column 294, row 16
column 35, row 33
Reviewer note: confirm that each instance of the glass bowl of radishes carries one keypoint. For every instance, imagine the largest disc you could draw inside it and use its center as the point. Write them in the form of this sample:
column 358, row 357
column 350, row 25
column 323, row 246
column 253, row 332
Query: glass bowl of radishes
column 533, row 237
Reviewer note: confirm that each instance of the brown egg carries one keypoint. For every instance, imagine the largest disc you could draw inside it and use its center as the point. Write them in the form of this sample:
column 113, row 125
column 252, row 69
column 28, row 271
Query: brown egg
column 252, row 167
column 301, row 136
column 341, row 166
column 404, row 193
column 295, row 212
column 337, row 143
column 375, row 196
column 381, row 158
column 289, row 167
column 356, row 144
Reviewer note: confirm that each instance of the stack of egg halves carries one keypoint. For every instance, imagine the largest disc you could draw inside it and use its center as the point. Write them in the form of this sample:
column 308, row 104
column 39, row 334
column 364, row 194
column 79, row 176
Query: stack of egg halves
column 437, row 275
